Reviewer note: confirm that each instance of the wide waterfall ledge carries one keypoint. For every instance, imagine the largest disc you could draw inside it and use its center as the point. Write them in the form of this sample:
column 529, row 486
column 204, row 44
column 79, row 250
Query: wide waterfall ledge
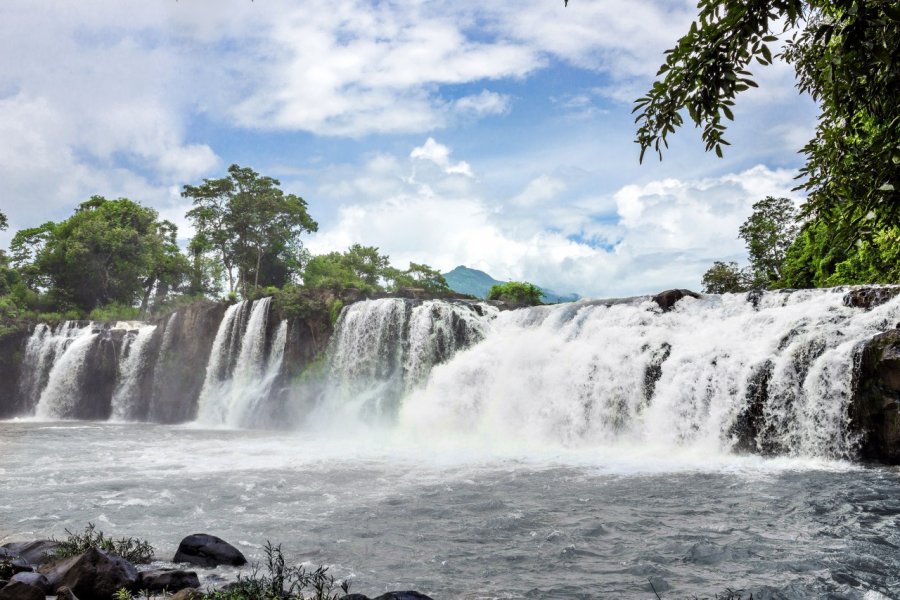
column 806, row 373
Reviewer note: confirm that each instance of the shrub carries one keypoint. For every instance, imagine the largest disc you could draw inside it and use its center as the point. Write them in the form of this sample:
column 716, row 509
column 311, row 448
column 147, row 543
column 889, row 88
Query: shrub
column 281, row 582
column 131, row 549
column 516, row 292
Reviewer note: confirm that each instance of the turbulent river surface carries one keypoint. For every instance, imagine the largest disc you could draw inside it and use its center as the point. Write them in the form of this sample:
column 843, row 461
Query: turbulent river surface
column 591, row 450
column 390, row 510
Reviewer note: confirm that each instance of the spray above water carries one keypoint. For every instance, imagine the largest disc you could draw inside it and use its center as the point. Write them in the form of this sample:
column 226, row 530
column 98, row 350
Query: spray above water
column 241, row 370
column 715, row 374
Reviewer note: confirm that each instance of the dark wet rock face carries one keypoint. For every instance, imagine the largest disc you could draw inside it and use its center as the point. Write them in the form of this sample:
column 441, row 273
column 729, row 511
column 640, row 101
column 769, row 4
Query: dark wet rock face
column 16, row 590
column 94, row 575
column 12, row 348
column 37, row 552
column 404, row 595
column 876, row 403
column 208, row 551
column 870, row 297
column 33, row 579
column 170, row 580
column 667, row 299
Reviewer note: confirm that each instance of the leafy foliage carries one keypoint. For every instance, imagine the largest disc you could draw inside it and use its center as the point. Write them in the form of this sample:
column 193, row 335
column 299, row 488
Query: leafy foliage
column 252, row 227
column 282, row 582
column 846, row 54
column 108, row 251
column 768, row 233
column 131, row 549
column 516, row 292
column 723, row 278
column 418, row 276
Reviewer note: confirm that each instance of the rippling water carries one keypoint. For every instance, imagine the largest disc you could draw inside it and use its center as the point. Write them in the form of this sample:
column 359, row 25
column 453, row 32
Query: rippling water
column 390, row 511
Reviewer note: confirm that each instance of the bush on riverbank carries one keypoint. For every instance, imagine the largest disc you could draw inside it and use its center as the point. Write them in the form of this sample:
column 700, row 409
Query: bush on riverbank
column 133, row 550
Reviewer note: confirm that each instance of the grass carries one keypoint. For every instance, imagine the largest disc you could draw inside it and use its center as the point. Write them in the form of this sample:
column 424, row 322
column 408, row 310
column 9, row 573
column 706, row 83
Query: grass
column 282, row 582
column 133, row 550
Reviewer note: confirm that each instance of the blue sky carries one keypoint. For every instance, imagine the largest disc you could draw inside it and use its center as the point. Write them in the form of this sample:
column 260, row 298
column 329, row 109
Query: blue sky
column 495, row 135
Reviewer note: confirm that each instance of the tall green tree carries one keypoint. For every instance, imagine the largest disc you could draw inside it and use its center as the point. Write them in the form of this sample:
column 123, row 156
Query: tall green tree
column 108, row 251
column 768, row 233
column 726, row 278
column 251, row 224
column 846, row 54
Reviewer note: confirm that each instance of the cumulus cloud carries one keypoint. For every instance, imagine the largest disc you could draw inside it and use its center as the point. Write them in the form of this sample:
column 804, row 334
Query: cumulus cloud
column 637, row 239
column 440, row 155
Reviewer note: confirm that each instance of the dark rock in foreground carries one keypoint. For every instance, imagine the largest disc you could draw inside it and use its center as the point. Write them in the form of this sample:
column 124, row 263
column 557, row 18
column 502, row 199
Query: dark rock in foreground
column 667, row 299
column 187, row 594
column 33, row 579
column 64, row 593
column 208, row 551
column 870, row 297
column 38, row 552
column 170, row 580
column 94, row 575
column 406, row 595
column 876, row 404
column 16, row 590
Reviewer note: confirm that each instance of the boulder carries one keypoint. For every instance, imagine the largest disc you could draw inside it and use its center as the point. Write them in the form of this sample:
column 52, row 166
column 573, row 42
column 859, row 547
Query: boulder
column 667, row 299
column 94, row 575
column 187, row 594
column 355, row 597
column 870, row 297
column 16, row 590
column 170, row 580
column 38, row 552
column 409, row 595
column 875, row 408
column 65, row 593
column 33, row 579
column 208, row 551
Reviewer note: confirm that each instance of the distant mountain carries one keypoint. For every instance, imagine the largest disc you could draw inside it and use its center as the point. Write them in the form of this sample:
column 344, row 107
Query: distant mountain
column 478, row 283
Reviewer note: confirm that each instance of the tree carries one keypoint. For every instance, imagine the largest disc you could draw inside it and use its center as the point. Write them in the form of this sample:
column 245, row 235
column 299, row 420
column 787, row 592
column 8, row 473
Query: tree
column 724, row 278
column 846, row 54
column 4, row 222
column 360, row 267
column 768, row 233
column 516, row 292
column 251, row 224
column 108, row 251
column 418, row 276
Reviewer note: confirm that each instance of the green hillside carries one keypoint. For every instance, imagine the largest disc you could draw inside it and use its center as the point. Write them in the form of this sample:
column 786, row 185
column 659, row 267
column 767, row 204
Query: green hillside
column 477, row 283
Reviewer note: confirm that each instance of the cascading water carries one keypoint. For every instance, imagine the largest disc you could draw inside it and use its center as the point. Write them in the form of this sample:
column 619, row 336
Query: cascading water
column 240, row 373
column 135, row 353
column 773, row 375
column 44, row 346
column 601, row 375
column 384, row 348
column 66, row 350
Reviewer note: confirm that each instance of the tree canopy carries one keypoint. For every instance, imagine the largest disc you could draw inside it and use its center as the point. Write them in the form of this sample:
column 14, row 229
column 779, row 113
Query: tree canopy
column 516, row 292
column 109, row 251
column 846, row 54
column 251, row 225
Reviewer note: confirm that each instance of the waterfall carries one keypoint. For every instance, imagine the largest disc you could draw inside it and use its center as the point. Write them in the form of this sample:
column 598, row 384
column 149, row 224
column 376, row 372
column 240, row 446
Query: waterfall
column 240, row 373
column 135, row 347
column 66, row 350
column 42, row 349
column 384, row 348
column 709, row 374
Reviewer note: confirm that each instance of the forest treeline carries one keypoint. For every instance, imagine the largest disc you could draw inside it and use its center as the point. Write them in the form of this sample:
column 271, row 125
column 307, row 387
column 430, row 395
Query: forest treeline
column 114, row 258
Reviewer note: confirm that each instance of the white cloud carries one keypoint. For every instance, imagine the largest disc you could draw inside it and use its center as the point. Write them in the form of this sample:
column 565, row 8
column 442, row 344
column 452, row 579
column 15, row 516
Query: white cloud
column 440, row 155
column 638, row 239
